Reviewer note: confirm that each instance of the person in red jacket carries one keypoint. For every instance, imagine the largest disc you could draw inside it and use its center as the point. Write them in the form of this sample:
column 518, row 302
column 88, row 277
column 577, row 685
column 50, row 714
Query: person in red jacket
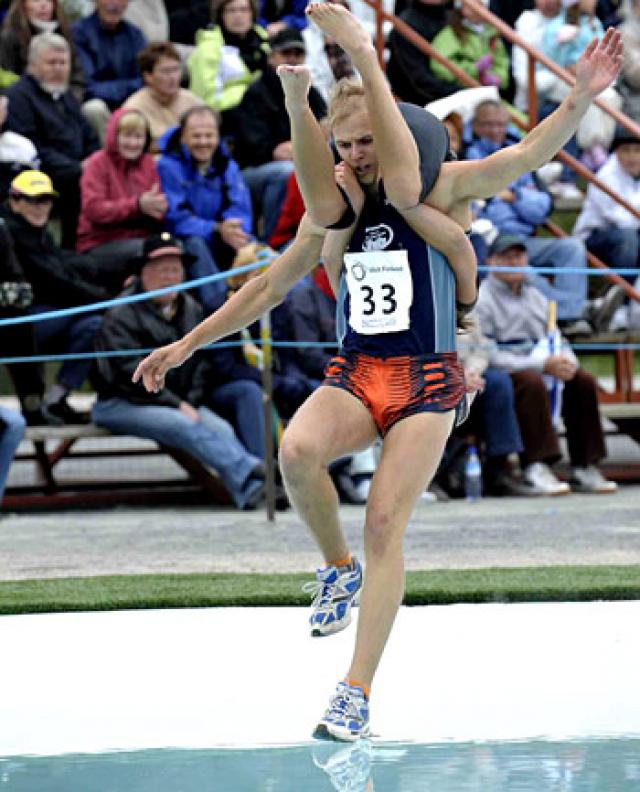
column 122, row 201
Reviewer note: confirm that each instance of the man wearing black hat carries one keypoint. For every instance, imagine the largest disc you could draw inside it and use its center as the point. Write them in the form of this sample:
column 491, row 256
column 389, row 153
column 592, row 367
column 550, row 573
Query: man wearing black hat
column 171, row 416
column 263, row 134
column 609, row 230
column 513, row 311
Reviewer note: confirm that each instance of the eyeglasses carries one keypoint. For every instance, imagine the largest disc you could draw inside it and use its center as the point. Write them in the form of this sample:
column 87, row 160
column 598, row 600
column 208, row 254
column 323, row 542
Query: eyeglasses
column 36, row 200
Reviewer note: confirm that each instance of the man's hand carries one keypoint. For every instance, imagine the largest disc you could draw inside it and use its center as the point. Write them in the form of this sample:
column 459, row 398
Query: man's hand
column 188, row 410
column 599, row 64
column 233, row 234
column 153, row 203
column 283, row 151
column 153, row 369
column 473, row 380
column 560, row 366
column 507, row 195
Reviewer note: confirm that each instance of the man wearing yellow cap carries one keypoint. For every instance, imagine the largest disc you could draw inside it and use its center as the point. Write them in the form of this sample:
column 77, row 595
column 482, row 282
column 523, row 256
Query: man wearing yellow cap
column 59, row 279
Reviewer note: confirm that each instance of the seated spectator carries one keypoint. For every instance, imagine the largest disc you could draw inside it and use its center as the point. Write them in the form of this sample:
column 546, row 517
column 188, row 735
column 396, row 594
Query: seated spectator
column 122, row 201
column 263, row 138
column 492, row 416
column 59, row 279
column 523, row 207
column 108, row 48
column 229, row 55
column 409, row 70
column 175, row 415
column 628, row 83
column 161, row 100
column 17, row 153
column 24, row 20
column 12, row 426
column 609, row 230
column 43, row 109
column 511, row 310
column 151, row 17
column 205, row 190
column 16, row 296
column 474, row 46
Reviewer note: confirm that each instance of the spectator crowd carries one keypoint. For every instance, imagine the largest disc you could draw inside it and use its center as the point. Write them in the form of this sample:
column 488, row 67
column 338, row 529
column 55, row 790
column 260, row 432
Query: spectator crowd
column 145, row 142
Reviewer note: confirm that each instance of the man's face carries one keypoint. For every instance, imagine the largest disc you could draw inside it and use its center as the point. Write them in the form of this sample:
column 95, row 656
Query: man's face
column 292, row 56
column 491, row 123
column 354, row 141
column 164, row 80
column 201, row 137
column 52, row 69
column 110, row 12
column 35, row 210
column 161, row 273
column 629, row 158
column 511, row 257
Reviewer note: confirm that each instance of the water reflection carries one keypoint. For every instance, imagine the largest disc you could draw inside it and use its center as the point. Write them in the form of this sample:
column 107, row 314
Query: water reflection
column 586, row 766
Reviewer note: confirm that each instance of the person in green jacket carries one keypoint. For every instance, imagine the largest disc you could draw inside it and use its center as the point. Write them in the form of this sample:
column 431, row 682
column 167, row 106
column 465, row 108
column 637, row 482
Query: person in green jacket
column 474, row 46
column 229, row 55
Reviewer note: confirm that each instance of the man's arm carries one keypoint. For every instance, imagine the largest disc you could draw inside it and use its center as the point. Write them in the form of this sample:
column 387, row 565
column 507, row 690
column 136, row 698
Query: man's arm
column 243, row 308
column 596, row 70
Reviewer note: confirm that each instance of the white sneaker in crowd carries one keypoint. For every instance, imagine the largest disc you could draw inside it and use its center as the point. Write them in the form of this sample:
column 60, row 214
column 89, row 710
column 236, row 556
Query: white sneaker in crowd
column 542, row 481
column 549, row 173
column 566, row 195
column 590, row 479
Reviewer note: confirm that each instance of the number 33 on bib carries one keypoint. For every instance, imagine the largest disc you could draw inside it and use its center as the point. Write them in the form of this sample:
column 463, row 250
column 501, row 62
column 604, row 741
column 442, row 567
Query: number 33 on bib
column 380, row 291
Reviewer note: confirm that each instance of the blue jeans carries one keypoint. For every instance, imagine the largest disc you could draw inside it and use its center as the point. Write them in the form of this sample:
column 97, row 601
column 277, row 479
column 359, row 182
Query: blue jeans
column 240, row 402
column 67, row 334
column 210, row 440
column 12, row 426
column 617, row 247
column 268, row 185
column 568, row 290
column 501, row 430
column 210, row 295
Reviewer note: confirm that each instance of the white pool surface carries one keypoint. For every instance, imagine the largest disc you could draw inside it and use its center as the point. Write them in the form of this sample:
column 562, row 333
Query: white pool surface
column 244, row 677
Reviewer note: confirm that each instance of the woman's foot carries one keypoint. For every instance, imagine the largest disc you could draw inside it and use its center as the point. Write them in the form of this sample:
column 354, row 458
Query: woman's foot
column 345, row 29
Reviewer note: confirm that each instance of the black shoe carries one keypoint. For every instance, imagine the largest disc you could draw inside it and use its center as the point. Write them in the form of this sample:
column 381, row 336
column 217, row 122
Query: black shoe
column 41, row 417
column 504, row 485
column 64, row 412
column 347, row 490
column 601, row 310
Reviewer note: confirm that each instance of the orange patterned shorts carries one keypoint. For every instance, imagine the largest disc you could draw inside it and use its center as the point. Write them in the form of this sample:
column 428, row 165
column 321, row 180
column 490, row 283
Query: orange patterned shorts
column 397, row 387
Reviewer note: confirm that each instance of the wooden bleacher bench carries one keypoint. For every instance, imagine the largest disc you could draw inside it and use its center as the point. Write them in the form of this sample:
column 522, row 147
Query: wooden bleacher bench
column 53, row 444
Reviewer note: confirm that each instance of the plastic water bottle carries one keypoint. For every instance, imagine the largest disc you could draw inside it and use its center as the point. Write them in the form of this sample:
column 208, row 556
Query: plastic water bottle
column 472, row 476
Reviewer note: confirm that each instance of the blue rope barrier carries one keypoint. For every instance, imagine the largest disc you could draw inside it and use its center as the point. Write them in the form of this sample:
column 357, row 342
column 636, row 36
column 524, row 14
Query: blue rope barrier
column 131, row 298
column 601, row 347
column 264, row 258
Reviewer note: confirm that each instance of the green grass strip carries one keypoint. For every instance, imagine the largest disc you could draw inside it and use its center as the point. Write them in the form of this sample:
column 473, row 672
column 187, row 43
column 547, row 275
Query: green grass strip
column 438, row 587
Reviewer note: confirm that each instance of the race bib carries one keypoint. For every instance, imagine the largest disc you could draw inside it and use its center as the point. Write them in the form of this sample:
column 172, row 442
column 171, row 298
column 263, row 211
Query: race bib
column 380, row 291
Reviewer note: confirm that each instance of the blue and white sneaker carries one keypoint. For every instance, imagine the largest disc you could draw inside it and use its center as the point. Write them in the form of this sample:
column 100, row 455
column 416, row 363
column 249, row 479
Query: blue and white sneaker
column 335, row 591
column 347, row 717
column 348, row 766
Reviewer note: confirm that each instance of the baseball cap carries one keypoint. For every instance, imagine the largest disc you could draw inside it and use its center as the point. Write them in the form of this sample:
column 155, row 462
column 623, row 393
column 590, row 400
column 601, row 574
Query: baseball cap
column 159, row 245
column 287, row 38
column 505, row 241
column 33, row 183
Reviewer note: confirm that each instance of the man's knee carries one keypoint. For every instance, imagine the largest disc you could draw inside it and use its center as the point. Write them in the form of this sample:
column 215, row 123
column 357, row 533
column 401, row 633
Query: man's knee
column 528, row 380
column 298, row 456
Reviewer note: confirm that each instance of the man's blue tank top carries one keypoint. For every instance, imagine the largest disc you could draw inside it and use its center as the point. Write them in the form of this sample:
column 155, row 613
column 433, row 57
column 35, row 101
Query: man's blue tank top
column 432, row 316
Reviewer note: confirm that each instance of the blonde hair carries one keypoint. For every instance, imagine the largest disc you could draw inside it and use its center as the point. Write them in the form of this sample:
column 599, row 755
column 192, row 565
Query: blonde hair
column 347, row 93
column 133, row 122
